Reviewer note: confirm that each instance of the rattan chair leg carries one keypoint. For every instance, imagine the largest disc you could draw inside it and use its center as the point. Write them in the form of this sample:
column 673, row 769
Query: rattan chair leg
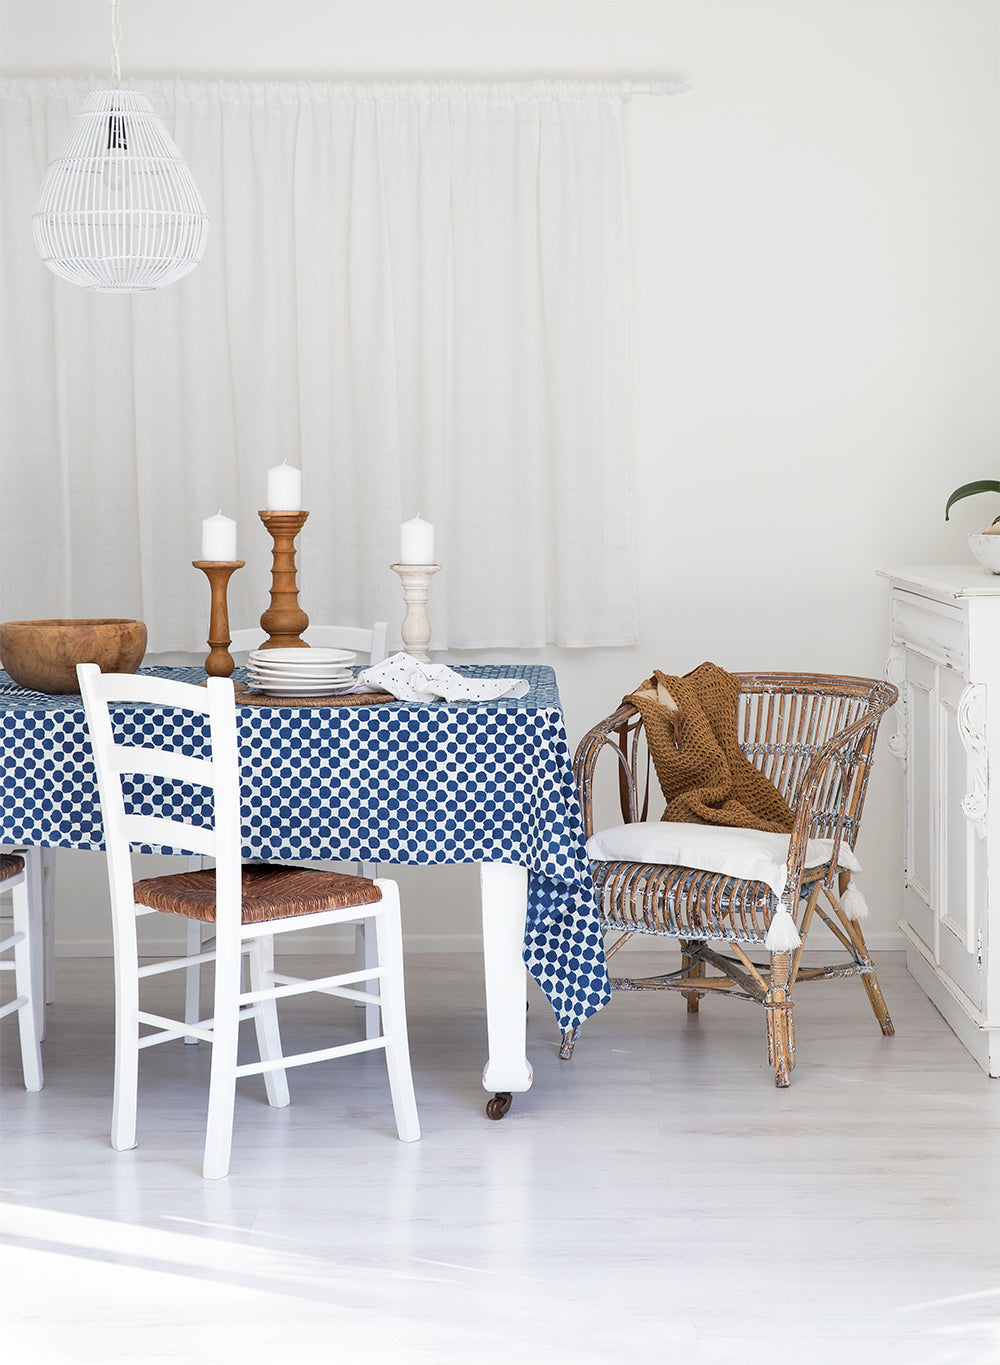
column 618, row 943
column 778, row 1010
column 568, row 1043
column 693, row 967
column 753, row 982
column 804, row 928
column 569, row 1039
column 856, row 941
column 879, row 1008
column 868, row 977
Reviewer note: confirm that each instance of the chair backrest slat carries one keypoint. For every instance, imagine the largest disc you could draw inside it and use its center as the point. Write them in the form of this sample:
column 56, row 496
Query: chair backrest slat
column 136, row 758
column 140, row 687
column 217, row 777
column 178, row 835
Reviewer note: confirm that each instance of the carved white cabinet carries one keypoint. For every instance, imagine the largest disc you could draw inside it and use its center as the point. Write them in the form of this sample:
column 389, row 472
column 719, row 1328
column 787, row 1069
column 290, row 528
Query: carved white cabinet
column 945, row 660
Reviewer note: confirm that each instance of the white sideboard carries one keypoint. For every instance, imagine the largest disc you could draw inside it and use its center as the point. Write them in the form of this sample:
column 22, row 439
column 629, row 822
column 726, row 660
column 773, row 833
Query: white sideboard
column 945, row 660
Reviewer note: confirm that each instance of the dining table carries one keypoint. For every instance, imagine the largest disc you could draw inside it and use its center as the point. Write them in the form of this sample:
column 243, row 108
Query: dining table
column 401, row 782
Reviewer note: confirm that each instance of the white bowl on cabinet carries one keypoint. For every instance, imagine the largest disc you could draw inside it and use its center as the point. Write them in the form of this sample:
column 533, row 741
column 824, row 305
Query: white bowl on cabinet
column 986, row 548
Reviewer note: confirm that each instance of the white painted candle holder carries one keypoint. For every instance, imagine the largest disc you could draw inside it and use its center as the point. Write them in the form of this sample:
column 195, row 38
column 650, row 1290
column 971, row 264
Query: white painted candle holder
column 416, row 631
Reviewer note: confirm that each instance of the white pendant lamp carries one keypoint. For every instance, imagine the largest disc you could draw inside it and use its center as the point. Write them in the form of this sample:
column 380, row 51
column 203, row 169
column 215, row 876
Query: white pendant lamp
column 119, row 211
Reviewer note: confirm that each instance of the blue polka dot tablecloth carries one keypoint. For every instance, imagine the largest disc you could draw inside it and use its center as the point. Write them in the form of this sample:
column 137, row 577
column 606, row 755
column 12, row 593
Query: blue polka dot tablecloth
column 401, row 782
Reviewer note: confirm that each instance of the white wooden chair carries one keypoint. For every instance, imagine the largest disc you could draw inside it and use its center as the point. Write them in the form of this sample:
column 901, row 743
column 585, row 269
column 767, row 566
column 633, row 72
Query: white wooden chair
column 364, row 640
column 25, row 943
column 40, row 866
column 248, row 905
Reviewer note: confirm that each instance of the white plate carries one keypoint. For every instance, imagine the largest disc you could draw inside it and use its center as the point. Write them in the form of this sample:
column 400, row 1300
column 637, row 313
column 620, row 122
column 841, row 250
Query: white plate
column 302, row 671
column 288, row 671
column 305, row 656
column 314, row 688
column 285, row 680
column 265, row 680
column 303, row 688
column 306, row 666
column 301, row 674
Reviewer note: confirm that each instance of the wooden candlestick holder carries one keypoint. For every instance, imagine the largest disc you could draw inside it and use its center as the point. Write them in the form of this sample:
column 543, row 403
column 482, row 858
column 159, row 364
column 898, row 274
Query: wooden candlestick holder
column 284, row 619
column 219, row 663
column 416, row 629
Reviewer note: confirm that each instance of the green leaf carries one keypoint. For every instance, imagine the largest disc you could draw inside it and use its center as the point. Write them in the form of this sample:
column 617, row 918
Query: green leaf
column 967, row 489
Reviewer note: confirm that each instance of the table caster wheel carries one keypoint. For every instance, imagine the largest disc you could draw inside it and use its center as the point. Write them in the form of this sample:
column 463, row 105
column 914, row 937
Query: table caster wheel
column 498, row 1105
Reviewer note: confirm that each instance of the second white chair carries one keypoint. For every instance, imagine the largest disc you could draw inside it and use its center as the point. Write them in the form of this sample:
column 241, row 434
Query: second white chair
column 363, row 640
column 25, row 943
column 248, row 905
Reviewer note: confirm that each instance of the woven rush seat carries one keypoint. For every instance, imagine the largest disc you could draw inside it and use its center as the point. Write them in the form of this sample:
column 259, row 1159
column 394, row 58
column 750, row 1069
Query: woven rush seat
column 270, row 892
column 684, row 902
column 10, row 865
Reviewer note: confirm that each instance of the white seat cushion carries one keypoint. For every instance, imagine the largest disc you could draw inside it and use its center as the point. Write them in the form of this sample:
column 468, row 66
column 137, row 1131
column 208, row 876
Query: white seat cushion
column 749, row 854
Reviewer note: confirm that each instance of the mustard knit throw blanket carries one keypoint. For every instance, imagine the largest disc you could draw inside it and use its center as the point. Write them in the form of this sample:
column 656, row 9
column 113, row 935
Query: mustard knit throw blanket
column 690, row 727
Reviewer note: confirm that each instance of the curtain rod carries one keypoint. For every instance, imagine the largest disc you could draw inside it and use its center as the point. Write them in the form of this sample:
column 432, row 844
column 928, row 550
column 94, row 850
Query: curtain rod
column 656, row 85
column 628, row 85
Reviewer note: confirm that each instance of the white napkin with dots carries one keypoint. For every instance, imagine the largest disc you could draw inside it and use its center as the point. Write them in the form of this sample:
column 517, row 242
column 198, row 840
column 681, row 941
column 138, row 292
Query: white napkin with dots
column 410, row 680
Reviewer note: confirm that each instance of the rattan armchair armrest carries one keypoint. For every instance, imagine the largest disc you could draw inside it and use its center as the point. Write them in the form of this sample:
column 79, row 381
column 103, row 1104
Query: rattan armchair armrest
column 859, row 739
column 610, row 731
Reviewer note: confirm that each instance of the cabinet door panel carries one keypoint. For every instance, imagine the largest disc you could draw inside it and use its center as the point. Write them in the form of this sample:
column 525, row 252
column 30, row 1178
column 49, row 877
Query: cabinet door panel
column 920, row 712
column 962, row 851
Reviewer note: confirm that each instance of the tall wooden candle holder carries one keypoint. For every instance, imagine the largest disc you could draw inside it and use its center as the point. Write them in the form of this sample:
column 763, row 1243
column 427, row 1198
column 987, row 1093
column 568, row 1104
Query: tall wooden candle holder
column 219, row 663
column 284, row 619
column 416, row 630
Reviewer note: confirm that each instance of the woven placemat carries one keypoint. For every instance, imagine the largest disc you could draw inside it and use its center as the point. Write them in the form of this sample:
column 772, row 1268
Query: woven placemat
column 345, row 699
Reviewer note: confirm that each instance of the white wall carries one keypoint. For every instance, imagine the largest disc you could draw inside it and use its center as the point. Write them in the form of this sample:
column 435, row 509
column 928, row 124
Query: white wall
column 817, row 331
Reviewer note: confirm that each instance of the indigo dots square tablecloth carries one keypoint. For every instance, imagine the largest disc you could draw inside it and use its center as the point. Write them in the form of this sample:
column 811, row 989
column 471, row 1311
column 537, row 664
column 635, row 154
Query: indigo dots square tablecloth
column 401, row 782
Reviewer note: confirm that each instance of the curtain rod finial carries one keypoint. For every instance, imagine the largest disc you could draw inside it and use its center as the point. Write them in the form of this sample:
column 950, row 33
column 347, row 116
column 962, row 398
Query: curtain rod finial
column 668, row 87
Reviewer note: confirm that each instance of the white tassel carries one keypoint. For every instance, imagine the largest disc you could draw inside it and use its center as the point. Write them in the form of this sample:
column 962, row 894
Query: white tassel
column 782, row 936
column 853, row 903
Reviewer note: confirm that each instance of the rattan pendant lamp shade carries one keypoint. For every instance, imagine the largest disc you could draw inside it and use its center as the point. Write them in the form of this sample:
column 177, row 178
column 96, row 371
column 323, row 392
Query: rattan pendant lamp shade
column 119, row 211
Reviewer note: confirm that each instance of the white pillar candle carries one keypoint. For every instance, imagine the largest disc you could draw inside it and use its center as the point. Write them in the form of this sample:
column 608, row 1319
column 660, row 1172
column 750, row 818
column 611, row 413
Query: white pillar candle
column 416, row 542
column 284, row 488
column 218, row 538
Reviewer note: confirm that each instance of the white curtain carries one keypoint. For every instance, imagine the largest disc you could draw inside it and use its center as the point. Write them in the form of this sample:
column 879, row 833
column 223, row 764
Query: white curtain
column 417, row 293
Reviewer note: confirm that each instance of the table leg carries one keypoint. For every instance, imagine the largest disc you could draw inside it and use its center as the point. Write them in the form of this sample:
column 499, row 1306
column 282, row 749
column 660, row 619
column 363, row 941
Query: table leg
column 504, row 889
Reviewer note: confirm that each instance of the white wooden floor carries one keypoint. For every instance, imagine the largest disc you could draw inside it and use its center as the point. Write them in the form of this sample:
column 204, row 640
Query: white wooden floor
column 656, row 1199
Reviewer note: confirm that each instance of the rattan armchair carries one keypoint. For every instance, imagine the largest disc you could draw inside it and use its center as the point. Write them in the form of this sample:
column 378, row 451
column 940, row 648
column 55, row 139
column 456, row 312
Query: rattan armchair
column 813, row 736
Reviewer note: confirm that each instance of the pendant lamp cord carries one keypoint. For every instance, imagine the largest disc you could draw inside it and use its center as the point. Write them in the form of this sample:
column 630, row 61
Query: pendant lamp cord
column 116, row 33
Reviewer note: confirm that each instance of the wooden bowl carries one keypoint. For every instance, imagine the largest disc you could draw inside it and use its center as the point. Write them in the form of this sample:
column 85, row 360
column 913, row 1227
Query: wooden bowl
column 43, row 655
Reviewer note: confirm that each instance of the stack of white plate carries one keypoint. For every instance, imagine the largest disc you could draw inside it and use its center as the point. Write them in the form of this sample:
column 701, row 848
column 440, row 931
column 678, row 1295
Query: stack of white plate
column 302, row 672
